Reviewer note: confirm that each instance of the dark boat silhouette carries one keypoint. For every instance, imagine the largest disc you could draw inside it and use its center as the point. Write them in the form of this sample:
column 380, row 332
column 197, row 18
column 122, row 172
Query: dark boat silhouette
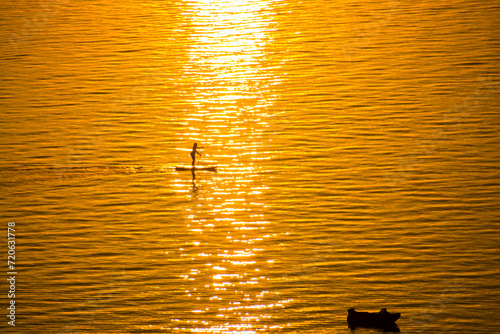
column 382, row 319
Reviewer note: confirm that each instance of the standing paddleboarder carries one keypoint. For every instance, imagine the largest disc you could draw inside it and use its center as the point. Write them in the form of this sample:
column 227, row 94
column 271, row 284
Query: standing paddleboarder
column 193, row 153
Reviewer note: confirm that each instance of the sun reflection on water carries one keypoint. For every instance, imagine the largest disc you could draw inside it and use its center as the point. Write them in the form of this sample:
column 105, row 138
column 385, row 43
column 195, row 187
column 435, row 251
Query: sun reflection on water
column 228, row 85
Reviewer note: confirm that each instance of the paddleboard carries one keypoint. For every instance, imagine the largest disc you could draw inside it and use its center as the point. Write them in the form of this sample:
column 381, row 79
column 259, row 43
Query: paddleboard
column 209, row 168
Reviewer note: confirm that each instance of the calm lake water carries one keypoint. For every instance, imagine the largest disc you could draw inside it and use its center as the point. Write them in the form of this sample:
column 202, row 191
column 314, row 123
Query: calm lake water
column 357, row 146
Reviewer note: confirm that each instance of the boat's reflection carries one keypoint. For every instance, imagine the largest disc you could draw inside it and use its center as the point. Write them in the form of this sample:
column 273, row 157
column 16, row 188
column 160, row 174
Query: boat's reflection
column 394, row 328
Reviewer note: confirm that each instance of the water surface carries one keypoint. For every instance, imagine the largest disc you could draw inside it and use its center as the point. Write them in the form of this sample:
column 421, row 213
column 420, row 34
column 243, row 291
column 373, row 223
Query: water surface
column 357, row 146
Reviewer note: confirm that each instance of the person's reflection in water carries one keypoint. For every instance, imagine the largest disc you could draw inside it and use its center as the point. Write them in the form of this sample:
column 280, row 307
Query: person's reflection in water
column 195, row 187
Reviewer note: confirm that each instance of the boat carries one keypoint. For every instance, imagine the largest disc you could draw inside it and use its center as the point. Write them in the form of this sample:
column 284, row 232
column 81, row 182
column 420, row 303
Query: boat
column 194, row 168
column 382, row 319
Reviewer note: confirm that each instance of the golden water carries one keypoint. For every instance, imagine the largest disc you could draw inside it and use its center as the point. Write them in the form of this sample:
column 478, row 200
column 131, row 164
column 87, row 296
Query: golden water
column 358, row 154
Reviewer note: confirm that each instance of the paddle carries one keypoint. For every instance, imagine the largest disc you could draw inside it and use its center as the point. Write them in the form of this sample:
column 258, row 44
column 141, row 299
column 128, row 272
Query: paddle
column 200, row 157
column 198, row 163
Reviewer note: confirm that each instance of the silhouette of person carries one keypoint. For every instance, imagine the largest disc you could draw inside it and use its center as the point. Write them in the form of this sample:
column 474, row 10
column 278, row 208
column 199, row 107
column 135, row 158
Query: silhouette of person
column 193, row 153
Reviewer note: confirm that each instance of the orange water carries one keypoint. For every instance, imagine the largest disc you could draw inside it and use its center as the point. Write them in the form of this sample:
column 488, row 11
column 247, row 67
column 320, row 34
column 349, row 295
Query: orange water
column 358, row 154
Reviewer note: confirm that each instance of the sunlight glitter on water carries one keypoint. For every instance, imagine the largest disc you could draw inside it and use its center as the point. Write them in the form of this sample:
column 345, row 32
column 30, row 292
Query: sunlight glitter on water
column 226, row 80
